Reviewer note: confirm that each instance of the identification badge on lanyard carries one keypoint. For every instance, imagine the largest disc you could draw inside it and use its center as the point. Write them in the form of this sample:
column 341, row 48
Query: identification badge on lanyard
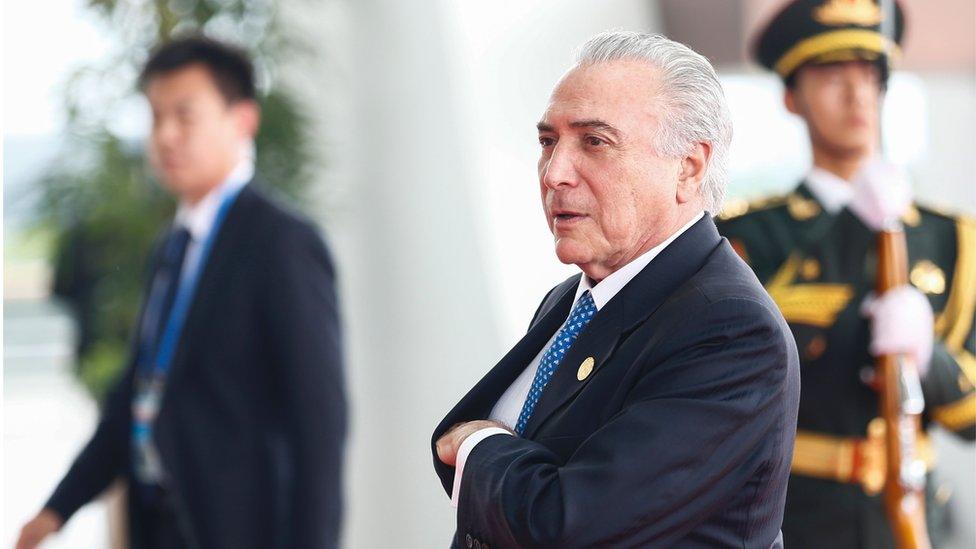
column 152, row 371
column 145, row 407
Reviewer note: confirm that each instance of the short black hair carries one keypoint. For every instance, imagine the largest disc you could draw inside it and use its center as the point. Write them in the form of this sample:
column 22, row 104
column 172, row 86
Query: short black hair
column 229, row 65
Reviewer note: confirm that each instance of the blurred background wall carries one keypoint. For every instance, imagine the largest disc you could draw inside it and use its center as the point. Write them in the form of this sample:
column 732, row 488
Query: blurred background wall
column 420, row 121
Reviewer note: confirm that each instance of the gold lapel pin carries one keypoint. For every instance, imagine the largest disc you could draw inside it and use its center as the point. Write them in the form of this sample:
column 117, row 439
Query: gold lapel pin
column 585, row 368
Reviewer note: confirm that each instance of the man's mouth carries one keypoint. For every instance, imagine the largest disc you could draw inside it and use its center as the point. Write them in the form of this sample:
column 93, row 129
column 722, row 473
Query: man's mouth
column 566, row 217
column 170, row 163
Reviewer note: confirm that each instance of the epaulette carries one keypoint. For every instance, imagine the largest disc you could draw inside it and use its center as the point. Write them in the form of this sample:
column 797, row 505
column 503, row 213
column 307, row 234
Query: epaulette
column 944, row 212
column 738, row 207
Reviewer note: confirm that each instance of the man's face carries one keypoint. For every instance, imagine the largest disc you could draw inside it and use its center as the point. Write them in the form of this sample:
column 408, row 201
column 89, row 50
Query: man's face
column 840, row 103
column 197, row 137
column 608, row 197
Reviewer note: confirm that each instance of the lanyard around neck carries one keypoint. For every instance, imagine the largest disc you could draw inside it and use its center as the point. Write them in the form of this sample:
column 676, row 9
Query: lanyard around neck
column 186, row 290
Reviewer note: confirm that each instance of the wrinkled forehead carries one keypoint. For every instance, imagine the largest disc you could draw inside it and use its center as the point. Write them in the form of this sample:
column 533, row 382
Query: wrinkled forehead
column 618, row 91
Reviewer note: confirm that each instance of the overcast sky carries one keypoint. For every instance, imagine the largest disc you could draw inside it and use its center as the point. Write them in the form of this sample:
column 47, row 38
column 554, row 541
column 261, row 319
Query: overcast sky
column 43, row 41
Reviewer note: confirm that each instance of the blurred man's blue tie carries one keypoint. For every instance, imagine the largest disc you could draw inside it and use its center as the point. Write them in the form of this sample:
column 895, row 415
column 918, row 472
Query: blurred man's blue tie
column 580, row 316
column 168, row 278
column 150, row 377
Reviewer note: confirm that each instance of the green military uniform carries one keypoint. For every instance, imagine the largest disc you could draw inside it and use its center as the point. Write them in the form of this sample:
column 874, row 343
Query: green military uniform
column 819, row 267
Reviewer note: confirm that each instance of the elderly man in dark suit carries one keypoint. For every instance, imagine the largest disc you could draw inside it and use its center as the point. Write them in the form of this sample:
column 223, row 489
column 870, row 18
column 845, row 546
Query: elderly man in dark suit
column 653, row 400
column 229, row 423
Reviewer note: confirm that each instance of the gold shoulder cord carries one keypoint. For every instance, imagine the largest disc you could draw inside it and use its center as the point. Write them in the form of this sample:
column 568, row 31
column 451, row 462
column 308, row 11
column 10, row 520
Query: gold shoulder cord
column 955, row 324
column 956, row 320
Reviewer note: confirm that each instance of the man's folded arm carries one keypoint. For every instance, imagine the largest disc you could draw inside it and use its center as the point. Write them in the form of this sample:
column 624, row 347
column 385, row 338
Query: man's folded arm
column 462, row 456
column 694, row 430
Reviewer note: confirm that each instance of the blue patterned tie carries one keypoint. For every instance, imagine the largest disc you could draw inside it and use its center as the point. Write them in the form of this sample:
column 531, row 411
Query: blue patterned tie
column 580, row 316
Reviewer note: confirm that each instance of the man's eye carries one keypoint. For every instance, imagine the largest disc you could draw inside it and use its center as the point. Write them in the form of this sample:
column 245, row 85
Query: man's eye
column 546, row 141
column 186, row 115
column 594, row 141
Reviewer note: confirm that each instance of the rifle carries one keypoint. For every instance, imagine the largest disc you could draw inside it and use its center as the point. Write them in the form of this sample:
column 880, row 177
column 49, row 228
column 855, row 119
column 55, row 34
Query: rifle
column 901, row 404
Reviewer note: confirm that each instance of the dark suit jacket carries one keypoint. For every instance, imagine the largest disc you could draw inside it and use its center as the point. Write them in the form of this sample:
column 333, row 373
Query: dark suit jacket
column 252, row 423
column 681, row 436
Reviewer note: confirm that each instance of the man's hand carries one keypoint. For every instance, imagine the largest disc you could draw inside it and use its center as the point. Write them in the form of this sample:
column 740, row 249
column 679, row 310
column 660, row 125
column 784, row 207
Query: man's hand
column 901, row 322
column 448, row 445
column 33, row 533
column 882, row 194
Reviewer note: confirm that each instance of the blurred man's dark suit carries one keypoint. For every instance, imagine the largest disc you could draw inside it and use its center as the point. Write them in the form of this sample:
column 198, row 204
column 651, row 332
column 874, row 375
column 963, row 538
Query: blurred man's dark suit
column 252, row 422
column 681, row 436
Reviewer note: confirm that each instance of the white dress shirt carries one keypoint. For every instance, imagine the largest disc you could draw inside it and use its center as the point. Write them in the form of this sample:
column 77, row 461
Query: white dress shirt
column 508, row 407
column 199, row 218
column 831, row 191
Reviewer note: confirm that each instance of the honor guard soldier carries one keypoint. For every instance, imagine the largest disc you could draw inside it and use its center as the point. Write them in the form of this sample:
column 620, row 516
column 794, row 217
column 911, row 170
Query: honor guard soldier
column 815, row 251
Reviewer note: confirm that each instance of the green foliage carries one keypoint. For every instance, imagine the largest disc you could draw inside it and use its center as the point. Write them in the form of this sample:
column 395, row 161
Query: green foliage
column 101, row 367
column 100, row 201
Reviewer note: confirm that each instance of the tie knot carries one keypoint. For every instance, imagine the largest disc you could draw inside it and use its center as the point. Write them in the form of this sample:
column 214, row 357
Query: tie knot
column 176, row 244
column 584, row 307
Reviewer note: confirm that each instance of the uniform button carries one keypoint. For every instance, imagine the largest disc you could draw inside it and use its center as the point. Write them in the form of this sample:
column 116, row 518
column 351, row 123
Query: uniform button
column 810, row 269
column 815, row 349
column 468, row 541
column 868, row 375
column 477, row 544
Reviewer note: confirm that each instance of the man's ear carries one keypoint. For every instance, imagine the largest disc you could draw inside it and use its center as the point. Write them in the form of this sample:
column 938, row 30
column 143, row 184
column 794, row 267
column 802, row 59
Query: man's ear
column 789, row 101
column 248, row 115
column 693, row 168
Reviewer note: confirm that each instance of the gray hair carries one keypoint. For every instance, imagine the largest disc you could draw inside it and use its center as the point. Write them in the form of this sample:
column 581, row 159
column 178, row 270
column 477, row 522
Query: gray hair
column 693, row 104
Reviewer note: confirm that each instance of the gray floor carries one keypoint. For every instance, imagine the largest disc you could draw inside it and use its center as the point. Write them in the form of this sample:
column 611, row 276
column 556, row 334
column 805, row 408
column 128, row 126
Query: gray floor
column 47, row 416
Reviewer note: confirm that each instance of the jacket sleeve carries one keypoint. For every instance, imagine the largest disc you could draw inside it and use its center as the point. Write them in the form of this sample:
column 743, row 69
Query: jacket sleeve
column 106, row 455
column 949, row 396
column 103, row 458
column 696, row 427
column 303, row 320
column 950, row 399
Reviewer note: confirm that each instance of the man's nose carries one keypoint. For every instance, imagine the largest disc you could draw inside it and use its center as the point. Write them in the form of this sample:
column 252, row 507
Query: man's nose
column 165, row 132
column 560, row 169
column 860, row 91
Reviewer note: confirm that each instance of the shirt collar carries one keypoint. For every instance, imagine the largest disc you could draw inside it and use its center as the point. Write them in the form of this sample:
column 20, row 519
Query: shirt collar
column 604, row 291
column 831, row 191
column 199, row 218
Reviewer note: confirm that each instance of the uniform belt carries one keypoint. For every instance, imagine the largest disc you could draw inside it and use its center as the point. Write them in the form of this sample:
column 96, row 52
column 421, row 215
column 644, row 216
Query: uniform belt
column 848, row 459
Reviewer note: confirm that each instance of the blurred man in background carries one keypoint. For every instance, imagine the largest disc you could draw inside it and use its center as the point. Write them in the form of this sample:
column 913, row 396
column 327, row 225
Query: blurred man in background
column 229, row 422
column 815, row 250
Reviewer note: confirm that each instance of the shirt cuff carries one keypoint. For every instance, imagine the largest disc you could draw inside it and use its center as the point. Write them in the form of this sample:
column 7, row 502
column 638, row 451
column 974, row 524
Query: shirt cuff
column 462, row 456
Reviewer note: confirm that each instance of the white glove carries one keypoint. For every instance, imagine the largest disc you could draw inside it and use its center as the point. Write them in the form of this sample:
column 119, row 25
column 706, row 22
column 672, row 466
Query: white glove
column 882, row 194
column 901, row 323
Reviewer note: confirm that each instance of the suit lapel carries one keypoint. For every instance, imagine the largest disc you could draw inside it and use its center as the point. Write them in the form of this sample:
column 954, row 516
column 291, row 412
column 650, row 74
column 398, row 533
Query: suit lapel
column 477, row 404
column 597, row 341
column 634, row 303
column 214, row 275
